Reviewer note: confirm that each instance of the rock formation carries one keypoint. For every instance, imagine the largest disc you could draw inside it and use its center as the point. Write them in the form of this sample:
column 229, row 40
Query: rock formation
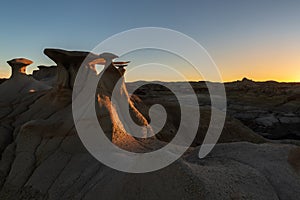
column 43, row 158
column 19, row 83
column 19, row 65
column 68, row 63
column 269, row 109
column 17, row 94
column 45, row 74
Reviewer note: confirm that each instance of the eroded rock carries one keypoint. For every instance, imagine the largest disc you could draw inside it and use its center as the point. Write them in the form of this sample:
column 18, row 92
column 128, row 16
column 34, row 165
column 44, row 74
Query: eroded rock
column 46, row 159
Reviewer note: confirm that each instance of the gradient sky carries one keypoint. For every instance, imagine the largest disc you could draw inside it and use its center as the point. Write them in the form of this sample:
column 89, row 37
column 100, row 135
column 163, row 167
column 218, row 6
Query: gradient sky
column 258, row 39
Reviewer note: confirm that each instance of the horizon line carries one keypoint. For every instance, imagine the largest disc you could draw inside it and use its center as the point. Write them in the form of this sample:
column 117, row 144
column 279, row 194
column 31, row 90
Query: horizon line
column 178, row 81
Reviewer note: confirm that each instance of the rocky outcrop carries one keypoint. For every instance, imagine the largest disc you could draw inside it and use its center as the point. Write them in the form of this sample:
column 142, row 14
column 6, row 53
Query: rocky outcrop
column 270, row 109
column 68, row 63
column 17, row 94
column 45, row 159
column 45, row 74
column 19, row 83
column 152, row 94
column 18, row 66
column 43, row 136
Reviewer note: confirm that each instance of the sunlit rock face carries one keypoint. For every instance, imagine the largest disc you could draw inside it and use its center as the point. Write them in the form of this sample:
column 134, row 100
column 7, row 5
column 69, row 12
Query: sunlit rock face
column 69, row 62
column 108, row 82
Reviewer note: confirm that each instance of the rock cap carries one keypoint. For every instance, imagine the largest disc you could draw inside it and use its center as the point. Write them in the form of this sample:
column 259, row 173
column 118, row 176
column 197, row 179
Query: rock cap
column 19, row 65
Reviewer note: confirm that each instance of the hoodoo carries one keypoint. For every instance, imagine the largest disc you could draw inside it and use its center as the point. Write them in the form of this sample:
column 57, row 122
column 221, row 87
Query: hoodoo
column 19, row 65
column 68, row 63
column 19, row 83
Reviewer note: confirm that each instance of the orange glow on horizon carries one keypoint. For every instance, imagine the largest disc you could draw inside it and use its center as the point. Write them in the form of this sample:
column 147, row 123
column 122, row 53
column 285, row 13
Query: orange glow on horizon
column 230, row 70
column 293, row 78
column 4, row 75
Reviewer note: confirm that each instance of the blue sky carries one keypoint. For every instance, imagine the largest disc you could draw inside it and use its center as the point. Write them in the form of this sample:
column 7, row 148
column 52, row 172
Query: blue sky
column 258, row 39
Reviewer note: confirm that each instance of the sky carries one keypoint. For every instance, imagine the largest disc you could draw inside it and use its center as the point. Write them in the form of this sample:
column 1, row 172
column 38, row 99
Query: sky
column 258, row 39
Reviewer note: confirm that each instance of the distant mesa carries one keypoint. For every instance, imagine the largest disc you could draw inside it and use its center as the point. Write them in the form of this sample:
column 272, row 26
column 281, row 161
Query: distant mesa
column 245, row 83
column 247, row 80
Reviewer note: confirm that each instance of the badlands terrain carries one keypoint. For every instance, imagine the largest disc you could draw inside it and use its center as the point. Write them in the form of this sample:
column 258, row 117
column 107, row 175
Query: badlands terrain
column 42, row 157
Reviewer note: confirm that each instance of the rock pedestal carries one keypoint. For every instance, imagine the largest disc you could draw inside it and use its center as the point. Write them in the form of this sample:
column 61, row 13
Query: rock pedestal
column 19, row 83
column 68, row 63
column 19, row 65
